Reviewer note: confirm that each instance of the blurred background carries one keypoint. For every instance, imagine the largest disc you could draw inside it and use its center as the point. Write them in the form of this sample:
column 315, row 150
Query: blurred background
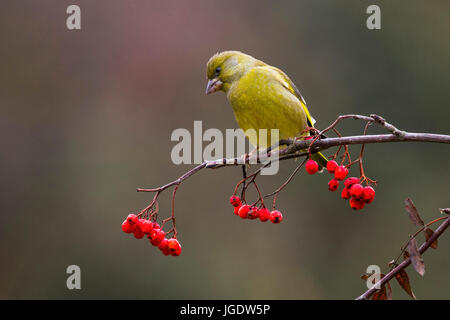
column 86, row 117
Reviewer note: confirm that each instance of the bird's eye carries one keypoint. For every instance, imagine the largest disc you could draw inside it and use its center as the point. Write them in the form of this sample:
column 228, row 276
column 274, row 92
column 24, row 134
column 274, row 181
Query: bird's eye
column 218, row 69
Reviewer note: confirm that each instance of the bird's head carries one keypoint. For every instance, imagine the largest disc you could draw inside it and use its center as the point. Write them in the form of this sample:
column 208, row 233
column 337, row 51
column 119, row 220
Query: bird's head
column 225, row 68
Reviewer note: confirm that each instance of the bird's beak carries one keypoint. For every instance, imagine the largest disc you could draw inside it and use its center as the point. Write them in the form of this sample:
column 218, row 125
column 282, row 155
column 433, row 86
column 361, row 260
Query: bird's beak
column 213, row 85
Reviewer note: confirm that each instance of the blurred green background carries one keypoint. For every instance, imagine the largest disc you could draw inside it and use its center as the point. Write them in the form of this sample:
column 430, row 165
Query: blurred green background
column 86, row 117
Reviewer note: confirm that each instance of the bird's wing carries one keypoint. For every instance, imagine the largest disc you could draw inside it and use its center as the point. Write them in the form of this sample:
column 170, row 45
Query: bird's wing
column 288, row 84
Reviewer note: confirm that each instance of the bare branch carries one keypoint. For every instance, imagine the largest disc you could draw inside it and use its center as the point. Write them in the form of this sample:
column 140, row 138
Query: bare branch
column 439, row 231
column 296, row 148
column 327, row 143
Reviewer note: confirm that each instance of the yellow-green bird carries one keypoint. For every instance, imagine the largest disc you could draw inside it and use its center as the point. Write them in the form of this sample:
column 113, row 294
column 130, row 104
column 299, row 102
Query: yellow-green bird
column 262, row 97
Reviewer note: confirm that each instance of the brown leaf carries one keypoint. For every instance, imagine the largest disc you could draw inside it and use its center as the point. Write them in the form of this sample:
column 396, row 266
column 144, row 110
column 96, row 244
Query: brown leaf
column 403, row 281
column 380, row 294
column 413, row 213
column 416, row 258
column 428, row 234
column 405, row 255
column 364, row 276
column 389, row 291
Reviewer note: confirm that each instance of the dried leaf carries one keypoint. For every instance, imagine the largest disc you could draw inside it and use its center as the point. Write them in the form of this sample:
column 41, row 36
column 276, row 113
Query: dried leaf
column 445, row 210
column 405, row 255
column 416, row 258
column 428, row 234
column 389, row 291
column 364, row 276
column 380, row 294
column 392, row 263
column 413, row 213
column 403, row 281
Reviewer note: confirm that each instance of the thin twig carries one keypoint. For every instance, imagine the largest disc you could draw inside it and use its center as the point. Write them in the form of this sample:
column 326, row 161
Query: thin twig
column 437, row 233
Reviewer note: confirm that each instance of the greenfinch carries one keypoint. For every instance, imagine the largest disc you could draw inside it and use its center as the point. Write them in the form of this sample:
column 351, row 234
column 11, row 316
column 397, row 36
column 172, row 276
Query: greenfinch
column 262, row 97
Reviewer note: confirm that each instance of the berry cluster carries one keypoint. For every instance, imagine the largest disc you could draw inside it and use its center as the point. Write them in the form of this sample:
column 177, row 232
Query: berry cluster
column 353, row 190
column 157, row 237
column 246, row 211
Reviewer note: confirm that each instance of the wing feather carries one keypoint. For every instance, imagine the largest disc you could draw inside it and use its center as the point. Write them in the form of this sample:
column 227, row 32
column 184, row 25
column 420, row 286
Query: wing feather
column 288, row 84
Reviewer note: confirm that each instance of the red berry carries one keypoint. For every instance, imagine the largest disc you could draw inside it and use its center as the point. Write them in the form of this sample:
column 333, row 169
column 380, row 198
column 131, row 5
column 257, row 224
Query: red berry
column 332, row 166
column 155, row 225
column 356, row 204
column 145, row 225
column 311, row 166
column 345, row 194
column 356, row 190
column 156, row 237
column 340, row 173
column 333, row 185
column 138, row 234
column 236, row 210
column 243, row 211
column 252, row 213
column 164, row 247
column 264, row 214
column 126, row 227
column 368, row 194
column 350, row 181
column 132, row 218
column 276, row 216
column 174, row 247
column 235, row 201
